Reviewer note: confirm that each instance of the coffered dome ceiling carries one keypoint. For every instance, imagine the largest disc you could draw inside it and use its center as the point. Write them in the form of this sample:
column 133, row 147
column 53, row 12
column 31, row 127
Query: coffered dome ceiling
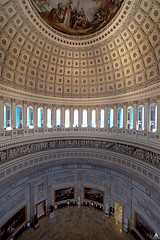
column 121, row 57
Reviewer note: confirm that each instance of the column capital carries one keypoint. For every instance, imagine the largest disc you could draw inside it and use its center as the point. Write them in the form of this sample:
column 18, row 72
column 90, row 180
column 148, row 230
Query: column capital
column 124, row 104
column 115, row 105
column 140, row 102
column 13, row 100
column 35, row 104
column 101, row 107
column 146, row 100
column 135, row 102
column 158, row 97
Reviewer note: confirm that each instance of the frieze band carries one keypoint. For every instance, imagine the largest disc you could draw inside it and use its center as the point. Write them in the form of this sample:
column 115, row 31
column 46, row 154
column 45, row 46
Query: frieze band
column 132, row 151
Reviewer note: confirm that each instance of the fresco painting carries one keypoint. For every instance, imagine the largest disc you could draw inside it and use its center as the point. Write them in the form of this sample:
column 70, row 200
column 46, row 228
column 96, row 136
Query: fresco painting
column 77, row 17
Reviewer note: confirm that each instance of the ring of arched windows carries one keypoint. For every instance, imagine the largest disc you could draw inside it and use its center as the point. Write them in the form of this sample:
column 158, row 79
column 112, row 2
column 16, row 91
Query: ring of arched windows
column 67, row 118
column 7, row 116
column 130, row 117
column 49, row 117
column 19, row 116
column 153, row 117
column 110, row 117
column 120, row 117
column 30, row 113
column 93, row 118
column 84, row 118
column 40, row 117
column 58, row 117
column 75, row 118
column 141, row 117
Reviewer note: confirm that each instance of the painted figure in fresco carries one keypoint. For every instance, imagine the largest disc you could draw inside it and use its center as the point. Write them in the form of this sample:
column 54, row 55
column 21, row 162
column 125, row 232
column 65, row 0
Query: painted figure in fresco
column 60, row 12
column 52, row 14
column 98, row 17
column 81, row 21
column 68, row 14
column 42, row 3
column 74, row 16
column 106, row 4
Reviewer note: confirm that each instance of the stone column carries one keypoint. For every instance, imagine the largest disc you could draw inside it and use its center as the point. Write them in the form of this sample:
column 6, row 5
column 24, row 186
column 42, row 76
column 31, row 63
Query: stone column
column 45, row 116
column 32, row 209
column 108, row 188
column 54, row 116
column 146, row 113
column 80, row 117
column 158, row 113
column 35, row 115
column 124, row 115
column 115, row 116
column 78, row 189
column 1, row 113
column 24, row 114
column 97, row 117
column 49, row 195
column 13, row 113
column 89, row 116
column 71, row 117
column 135, row 115
column 128, row 210
column 106, row 116
column 63, row 117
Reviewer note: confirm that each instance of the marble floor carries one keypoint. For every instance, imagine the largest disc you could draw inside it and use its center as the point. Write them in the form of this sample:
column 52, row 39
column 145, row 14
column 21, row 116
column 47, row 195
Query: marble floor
column 73, row 223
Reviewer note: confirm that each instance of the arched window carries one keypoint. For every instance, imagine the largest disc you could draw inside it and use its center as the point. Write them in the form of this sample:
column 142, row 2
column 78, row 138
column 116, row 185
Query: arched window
column 76, row 115
column 110, row 118
column 30, row 117
column 7, row 116
column 101, row 118
column 84, row 118
column 130, row 118
column 67, row 118
column 49, row 118
column 93, row 118
column 120, row 118
column 153, row 118
column 40, row 117
column 19, row 116
column 141, row 117
column 58, row 118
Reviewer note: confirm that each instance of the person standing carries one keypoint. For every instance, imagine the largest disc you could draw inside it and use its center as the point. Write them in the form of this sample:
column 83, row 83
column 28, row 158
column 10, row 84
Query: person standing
column 68, row 14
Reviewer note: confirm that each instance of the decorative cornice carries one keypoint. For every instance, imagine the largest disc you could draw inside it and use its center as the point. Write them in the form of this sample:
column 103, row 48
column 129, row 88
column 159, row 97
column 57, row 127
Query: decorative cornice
column 151, row 91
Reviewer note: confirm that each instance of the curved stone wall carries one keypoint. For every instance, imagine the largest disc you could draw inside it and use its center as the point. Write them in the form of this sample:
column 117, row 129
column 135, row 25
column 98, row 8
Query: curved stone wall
column 33, row 186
